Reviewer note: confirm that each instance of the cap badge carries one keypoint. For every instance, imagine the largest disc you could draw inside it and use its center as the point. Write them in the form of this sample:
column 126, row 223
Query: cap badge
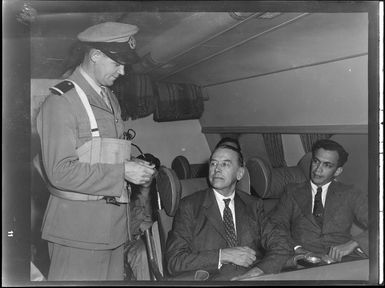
column 132, row 42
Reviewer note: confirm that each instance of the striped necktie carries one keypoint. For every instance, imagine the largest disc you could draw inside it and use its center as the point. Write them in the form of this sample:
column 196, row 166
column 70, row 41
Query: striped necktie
column 318, row 210
column 231, row 237
column 104, row 94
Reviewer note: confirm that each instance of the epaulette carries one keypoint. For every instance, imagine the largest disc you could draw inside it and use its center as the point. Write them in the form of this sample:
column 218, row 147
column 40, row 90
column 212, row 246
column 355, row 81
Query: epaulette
column 62, row 87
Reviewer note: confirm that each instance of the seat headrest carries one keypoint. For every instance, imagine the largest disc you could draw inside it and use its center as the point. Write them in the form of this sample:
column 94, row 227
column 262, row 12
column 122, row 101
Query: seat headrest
column 269, row 182
column 181, row 166
column 169, row 188
column 244, row 183
column 260, row 175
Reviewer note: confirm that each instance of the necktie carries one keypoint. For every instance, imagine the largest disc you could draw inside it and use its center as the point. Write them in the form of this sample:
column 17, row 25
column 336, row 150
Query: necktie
column 231, row 237
column 318, row 210
column 105, row 98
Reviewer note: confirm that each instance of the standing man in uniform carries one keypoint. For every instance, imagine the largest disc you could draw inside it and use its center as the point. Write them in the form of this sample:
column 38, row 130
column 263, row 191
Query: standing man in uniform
column 86, row 221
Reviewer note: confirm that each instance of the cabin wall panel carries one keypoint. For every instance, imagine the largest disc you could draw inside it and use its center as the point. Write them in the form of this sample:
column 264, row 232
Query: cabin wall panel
column 166, row 140
column 334, row 93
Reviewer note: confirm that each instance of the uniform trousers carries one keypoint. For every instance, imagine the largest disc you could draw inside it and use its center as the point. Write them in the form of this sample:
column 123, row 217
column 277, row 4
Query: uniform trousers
column 137, row 259
column 74, row 264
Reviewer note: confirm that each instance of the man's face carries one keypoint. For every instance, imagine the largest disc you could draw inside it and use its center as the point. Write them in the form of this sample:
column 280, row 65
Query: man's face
column 224, row 170
column 106, row 70
column 324, row 166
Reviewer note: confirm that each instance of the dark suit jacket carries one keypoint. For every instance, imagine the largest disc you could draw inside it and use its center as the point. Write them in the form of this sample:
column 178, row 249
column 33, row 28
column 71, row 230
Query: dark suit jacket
column 344, row 204
column 198, row 234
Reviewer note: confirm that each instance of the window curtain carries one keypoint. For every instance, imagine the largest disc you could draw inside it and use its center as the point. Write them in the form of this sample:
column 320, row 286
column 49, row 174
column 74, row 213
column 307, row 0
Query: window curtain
column 309, row 139
column 135, row 95
column 274, row 149
column 177, row 102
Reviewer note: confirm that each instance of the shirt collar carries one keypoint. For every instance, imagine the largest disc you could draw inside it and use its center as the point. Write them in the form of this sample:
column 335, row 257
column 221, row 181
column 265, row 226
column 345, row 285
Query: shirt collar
column 324, row 187
column 220, row 197
column 93, row 84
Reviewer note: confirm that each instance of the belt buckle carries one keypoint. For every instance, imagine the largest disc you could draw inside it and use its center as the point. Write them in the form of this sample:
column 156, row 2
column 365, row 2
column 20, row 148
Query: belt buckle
column 111, row 200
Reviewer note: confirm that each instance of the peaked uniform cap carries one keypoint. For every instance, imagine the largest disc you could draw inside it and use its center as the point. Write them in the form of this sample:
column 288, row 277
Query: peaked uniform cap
column 114, row 39
column 108, row 32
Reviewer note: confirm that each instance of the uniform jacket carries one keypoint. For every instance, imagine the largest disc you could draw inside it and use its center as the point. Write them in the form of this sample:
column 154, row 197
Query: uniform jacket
column 63, row 126
column 344, row 204
column 198, row 234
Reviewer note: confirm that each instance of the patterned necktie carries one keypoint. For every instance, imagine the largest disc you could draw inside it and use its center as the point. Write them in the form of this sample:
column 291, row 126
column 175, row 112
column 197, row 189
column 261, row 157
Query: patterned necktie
column 105, row 98
column 231, row 237
column 318, row 210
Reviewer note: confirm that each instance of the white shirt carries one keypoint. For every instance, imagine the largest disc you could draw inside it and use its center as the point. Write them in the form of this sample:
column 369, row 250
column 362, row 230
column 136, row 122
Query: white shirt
column 221, row 204
column 314, row 191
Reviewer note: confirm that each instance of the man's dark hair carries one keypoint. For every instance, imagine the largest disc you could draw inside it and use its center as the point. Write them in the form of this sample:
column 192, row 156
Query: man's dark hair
column 229, row 146
column 331, row 145
column 229, row 141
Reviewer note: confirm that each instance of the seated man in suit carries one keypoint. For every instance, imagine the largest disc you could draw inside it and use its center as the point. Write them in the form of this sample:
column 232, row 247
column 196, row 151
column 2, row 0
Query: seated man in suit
column 223, row 230
column 318, row 215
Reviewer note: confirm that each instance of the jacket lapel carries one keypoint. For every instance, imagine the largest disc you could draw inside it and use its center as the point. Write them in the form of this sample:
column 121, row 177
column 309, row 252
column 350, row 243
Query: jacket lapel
column 333, row 201
column 212, row 212
column 241, row 218
column 303, row 197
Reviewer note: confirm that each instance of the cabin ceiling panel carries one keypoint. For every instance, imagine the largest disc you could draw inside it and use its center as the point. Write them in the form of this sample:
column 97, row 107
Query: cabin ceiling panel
column 229, row 36
column 284, row 41
column 312, row 39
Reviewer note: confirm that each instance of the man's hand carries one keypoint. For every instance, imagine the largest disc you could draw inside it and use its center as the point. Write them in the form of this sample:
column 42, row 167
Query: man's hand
column 241, row 256
column 301, row 251
column 138, row 171
column 253, row 272
column 145, row 225
column 339, row 251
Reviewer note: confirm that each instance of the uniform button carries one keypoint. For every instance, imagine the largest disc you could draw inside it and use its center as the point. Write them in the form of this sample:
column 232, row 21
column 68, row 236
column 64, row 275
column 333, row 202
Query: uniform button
column 116, row 120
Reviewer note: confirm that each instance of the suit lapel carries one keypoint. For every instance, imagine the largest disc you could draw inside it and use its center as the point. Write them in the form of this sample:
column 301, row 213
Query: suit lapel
column 333, row 201
column 212, row 212
column 241, row 218
column 303, row 197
